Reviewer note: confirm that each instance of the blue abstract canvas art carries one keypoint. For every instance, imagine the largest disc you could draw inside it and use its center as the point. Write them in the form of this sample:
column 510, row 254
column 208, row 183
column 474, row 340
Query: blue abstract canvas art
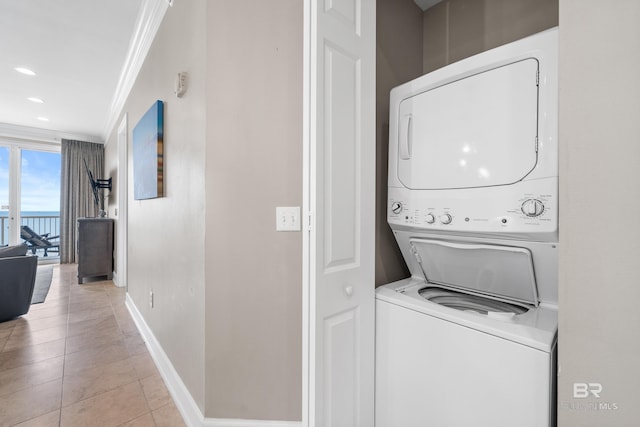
column 148, row 154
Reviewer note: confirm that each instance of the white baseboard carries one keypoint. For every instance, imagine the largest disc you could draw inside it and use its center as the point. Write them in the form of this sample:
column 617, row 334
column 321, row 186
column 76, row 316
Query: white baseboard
column 116, row 280
column 184, row 401
column 181, row 396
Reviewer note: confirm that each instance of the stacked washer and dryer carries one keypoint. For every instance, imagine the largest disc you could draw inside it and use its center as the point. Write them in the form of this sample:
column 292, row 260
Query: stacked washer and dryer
column 470, row 338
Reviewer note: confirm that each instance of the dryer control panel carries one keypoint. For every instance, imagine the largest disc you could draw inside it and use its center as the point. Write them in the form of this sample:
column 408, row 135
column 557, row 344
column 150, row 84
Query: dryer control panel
column 528, row 212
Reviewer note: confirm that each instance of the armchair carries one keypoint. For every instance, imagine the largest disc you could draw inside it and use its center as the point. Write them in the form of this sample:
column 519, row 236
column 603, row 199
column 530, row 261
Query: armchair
column 17, row 279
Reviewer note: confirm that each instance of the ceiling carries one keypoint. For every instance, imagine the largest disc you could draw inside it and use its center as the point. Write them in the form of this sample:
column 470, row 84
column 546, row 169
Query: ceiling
column 77, row 48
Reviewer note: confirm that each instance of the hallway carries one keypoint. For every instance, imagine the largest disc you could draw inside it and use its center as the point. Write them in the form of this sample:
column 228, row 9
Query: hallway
column 78, row 360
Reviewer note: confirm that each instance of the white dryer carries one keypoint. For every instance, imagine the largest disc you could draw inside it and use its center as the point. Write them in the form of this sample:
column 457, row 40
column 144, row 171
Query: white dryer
column 470, row 338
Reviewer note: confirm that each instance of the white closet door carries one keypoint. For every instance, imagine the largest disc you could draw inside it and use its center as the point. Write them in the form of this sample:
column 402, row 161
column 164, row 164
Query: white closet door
column 340, row 97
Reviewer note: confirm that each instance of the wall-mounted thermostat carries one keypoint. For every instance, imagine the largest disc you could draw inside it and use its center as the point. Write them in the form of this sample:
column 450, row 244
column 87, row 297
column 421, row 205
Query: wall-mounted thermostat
column 180, row 84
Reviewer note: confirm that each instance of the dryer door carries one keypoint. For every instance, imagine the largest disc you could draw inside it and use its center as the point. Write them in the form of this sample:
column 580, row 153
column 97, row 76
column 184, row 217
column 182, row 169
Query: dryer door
column 477, row 131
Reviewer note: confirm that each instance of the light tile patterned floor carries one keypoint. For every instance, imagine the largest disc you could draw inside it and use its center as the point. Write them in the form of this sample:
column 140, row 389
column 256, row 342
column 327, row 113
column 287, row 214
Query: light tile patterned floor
column 78, row 360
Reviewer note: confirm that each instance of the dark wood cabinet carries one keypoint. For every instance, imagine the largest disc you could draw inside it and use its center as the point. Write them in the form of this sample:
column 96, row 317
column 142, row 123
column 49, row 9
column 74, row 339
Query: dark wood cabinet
column 95, row 248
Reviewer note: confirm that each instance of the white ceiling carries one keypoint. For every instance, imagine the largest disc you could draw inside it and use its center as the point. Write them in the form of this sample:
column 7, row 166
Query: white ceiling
column 77, row 49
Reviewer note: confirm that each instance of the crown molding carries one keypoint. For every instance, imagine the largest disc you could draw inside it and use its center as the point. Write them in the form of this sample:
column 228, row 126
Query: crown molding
column 147, row 24
column 24, row 133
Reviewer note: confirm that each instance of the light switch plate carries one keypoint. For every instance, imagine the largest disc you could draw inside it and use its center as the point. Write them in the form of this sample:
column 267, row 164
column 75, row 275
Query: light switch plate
column 288, row 218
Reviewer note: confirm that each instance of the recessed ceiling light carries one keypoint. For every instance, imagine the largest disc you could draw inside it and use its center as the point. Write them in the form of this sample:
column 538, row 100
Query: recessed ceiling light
column 43, row 119
column 26, row 71
column 36, row 100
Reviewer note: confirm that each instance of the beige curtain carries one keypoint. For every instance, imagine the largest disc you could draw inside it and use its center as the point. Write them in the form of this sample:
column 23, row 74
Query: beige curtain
column 76, row 196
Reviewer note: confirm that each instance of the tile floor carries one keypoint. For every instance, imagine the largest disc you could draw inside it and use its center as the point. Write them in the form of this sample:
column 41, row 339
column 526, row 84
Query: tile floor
column 78, row 360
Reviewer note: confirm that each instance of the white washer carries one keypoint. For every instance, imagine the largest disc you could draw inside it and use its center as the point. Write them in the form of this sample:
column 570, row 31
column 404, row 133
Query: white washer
column 470, row 338
column 444, row 370
column 471, row 365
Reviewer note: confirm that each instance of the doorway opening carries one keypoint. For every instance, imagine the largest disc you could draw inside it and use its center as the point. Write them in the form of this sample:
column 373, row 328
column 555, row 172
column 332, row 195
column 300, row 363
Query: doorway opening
column 30, row 197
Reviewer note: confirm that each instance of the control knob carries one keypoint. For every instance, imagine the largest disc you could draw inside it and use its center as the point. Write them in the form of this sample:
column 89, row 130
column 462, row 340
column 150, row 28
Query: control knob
column 430, row 218
column 532, row 208
column 396, row 207
column 445, row 218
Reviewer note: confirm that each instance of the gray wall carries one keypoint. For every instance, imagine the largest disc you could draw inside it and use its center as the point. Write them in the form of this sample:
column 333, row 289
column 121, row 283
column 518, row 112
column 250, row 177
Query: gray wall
column 166, row 235
column 254, row 163
column 600, row 232
column 227, row 287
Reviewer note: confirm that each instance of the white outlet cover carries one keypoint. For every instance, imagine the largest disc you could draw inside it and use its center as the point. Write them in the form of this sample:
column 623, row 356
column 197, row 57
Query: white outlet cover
column 288, row 218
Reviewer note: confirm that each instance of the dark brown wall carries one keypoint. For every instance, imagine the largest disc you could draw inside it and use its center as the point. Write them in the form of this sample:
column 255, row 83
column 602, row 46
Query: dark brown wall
column 398, row 60
column 457, row 29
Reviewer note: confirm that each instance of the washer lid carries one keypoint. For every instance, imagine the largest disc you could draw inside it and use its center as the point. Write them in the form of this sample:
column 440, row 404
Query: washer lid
column 502, row 272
